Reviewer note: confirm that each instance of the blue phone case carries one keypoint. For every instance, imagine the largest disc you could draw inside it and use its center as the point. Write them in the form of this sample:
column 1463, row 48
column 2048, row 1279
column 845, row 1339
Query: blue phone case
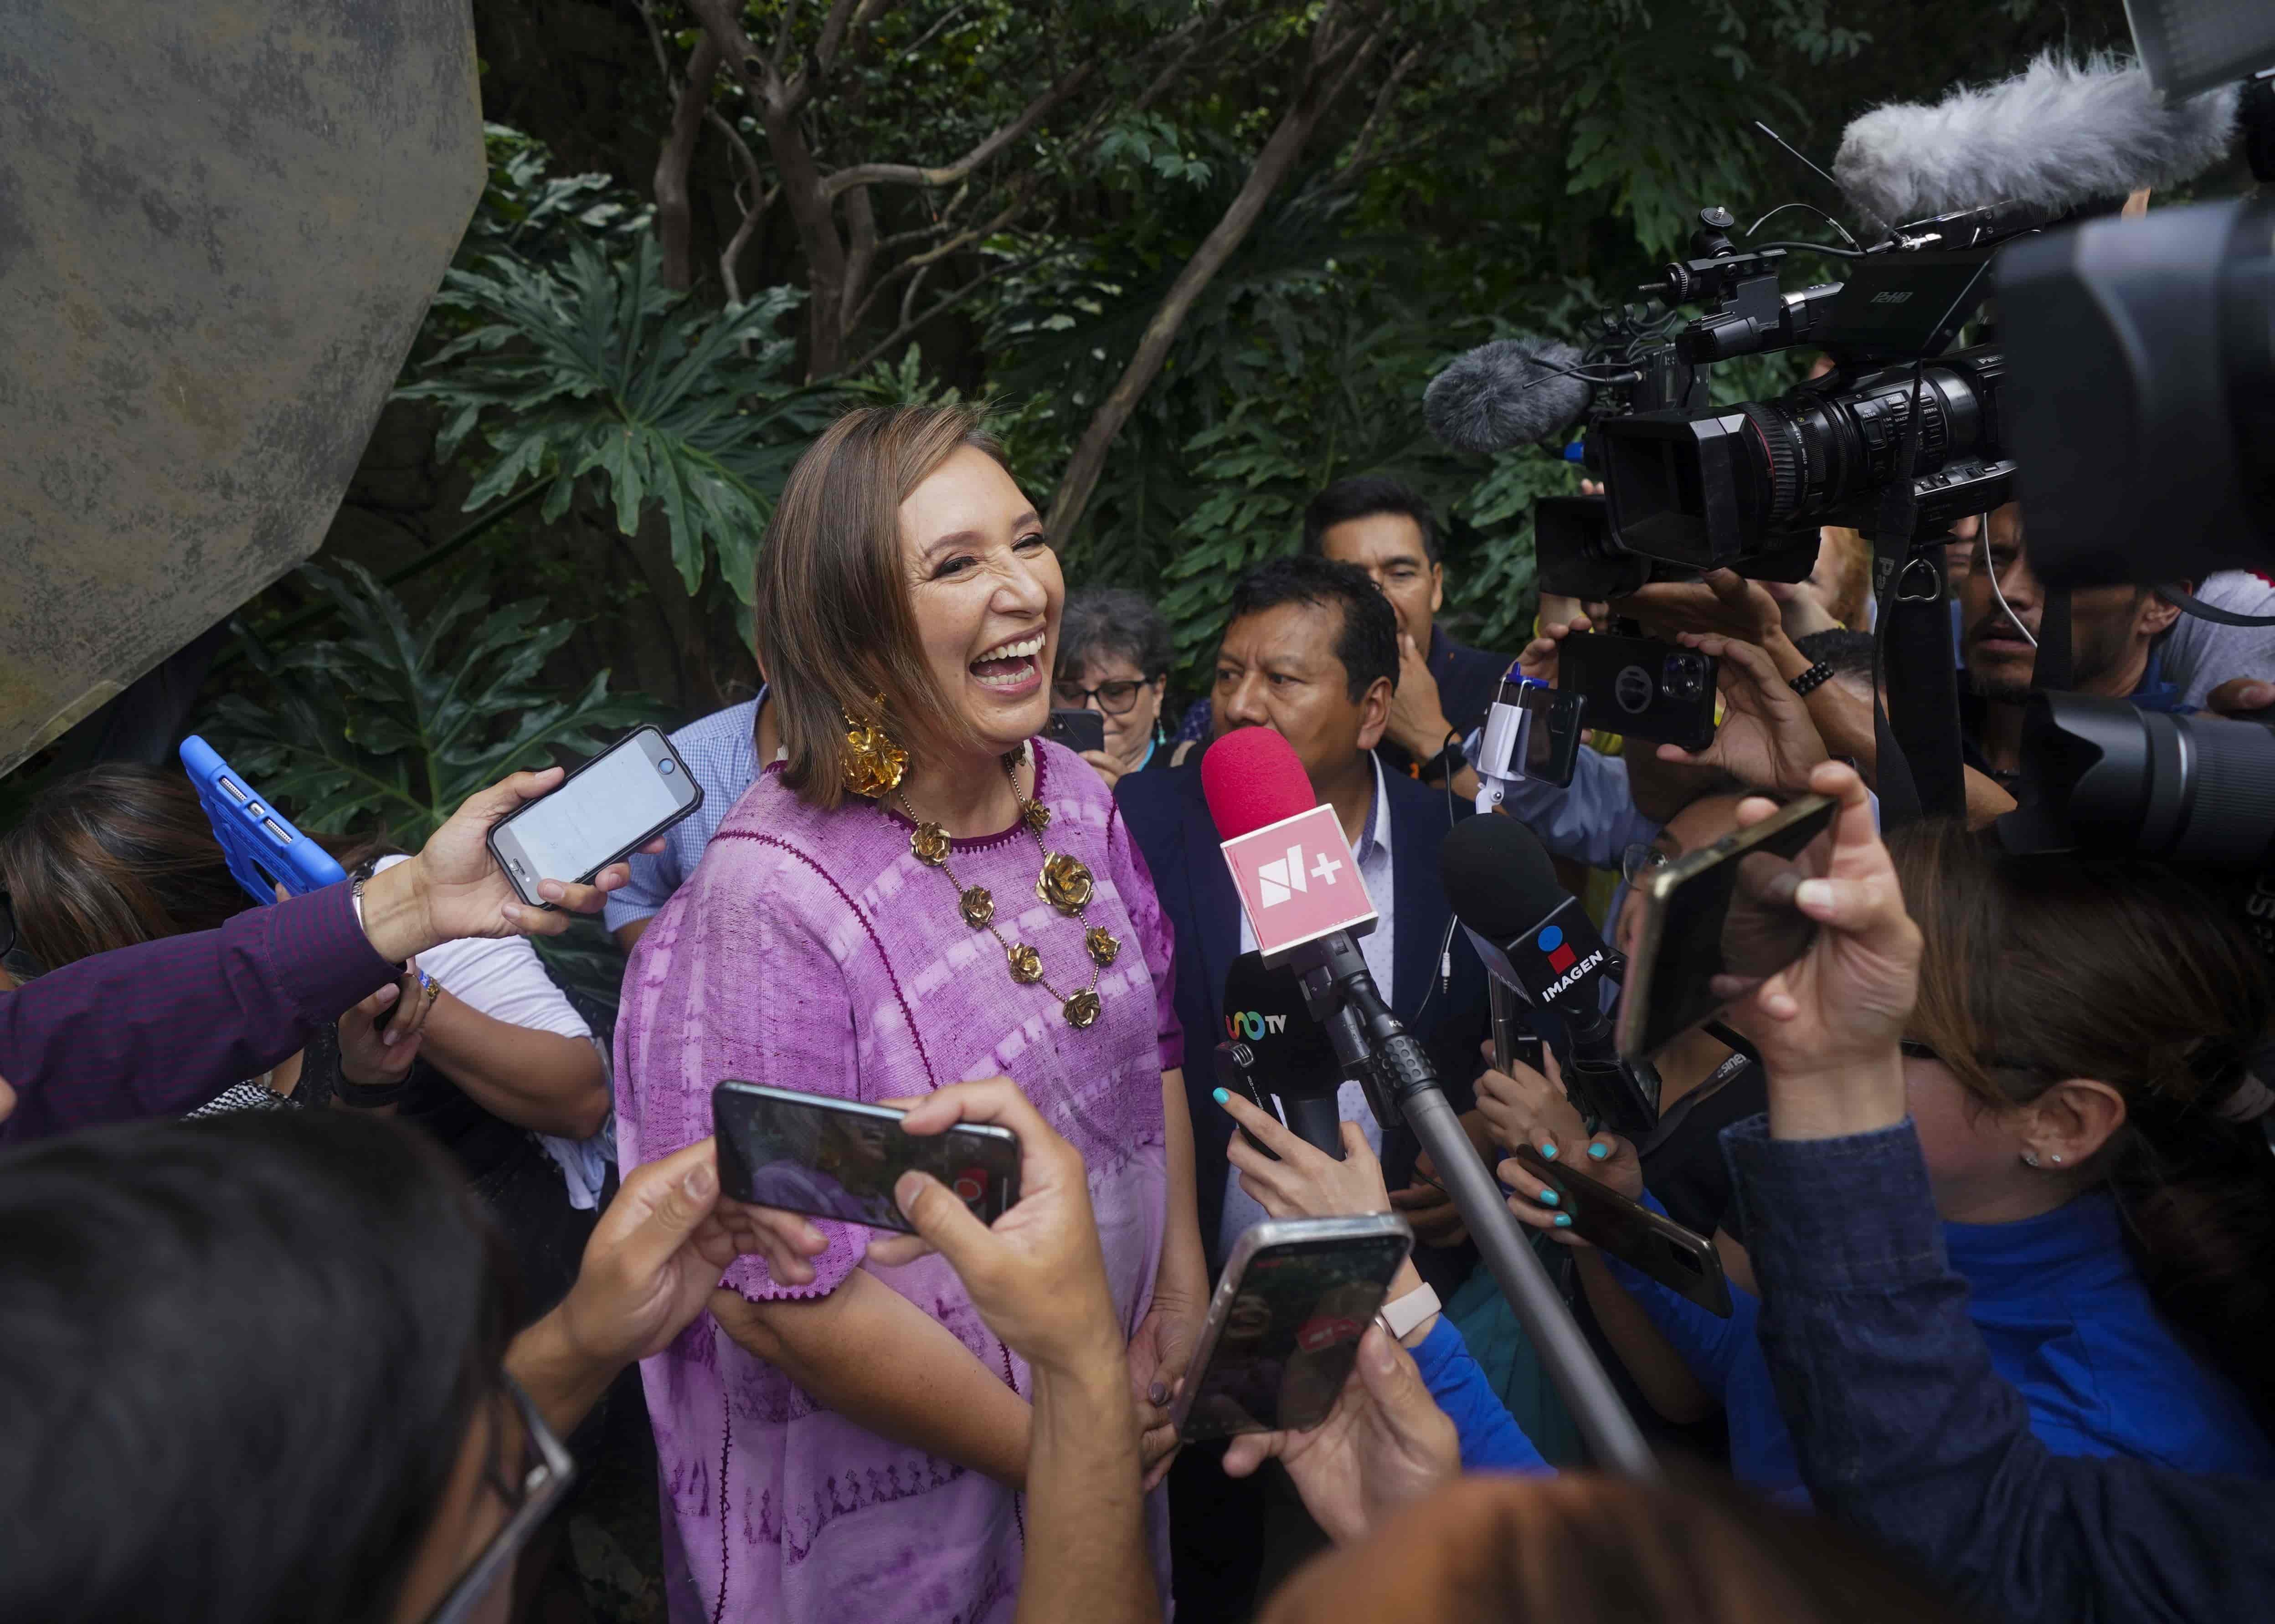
column 263, row 849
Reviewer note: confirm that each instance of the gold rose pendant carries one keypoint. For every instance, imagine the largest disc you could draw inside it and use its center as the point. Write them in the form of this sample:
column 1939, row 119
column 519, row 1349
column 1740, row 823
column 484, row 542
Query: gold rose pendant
column 978, row 908
column 1036, row 816
column 1064, row 883
column 1026, row 963
column 1081, row 1010
column 1103, row 944
column 929, row 842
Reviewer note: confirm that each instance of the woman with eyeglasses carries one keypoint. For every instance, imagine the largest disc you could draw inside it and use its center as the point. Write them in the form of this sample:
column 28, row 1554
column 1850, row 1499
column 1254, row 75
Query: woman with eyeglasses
column 1114, row 658
column 2077, row 1071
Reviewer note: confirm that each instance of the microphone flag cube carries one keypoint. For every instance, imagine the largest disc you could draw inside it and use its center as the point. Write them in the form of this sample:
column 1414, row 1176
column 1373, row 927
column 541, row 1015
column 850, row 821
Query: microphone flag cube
column 1297, row 882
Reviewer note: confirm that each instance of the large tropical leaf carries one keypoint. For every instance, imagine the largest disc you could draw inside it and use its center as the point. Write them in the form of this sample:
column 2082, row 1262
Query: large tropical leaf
column 590, row 372
column 387, row 728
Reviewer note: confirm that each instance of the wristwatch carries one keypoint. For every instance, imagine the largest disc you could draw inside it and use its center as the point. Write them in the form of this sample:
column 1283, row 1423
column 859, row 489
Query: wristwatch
column 1810, row 681
column 1448, row 761
column 1400, row 1316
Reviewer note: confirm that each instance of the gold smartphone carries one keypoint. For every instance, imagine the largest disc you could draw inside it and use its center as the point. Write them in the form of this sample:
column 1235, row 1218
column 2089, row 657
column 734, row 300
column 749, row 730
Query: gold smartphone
column 1719, row 921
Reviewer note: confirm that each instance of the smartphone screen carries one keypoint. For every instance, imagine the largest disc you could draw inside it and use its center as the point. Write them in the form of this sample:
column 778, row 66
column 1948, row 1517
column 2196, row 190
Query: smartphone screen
column 838, row 1159
column 617, row 802
column 1289, row 1334
column 1721, row 921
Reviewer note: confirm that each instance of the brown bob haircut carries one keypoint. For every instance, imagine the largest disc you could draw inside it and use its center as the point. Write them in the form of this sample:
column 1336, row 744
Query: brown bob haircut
column 835, row 630
column 2038, row 969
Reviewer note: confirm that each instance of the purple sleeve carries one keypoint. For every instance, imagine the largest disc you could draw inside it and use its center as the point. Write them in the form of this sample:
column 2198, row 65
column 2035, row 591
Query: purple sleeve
column 1155, row 937
column 731, row 982
column 160, row 1028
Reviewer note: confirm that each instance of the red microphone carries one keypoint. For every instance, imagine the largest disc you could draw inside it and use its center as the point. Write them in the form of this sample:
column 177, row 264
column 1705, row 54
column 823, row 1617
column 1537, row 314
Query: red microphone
column 1293, row 867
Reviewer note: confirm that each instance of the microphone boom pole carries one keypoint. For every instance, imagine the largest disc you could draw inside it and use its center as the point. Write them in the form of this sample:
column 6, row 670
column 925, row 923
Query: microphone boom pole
column 1369, row 1039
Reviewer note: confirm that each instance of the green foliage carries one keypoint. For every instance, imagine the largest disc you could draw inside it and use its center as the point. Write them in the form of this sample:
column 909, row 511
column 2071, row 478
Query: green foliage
column 388, row 729
column 526, row 209
column 593, row 371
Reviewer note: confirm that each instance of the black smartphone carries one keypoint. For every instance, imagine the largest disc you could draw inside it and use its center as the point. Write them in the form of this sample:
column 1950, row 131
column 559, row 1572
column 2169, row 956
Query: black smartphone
column 1719, row 921
column 1641, row 687
column 1683, row 1261
column 839, row 1159
column 1552, row 743
column 1283, row 1328
column 1078, row 730
column 606, row 809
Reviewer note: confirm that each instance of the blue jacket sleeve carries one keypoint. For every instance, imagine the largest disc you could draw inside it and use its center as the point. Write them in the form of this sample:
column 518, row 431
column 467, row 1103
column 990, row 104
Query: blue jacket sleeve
column 1491, row 1439
column 1904, row 1430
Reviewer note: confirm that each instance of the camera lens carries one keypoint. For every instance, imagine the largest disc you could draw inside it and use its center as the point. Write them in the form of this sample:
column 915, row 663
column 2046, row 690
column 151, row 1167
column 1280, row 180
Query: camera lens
column 1686, row 675
column 2113, row 778
column 664, row 768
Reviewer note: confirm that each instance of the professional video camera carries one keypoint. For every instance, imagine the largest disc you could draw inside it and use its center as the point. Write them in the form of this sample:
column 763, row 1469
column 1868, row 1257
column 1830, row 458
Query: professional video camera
column 1692, row 486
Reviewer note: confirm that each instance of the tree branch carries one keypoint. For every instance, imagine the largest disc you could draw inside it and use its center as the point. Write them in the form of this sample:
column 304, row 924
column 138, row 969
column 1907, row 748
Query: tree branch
column 916, row 175
column 674, row 219
column 1323, row 82
column 754, row 211
column 860, row 256
column 877, row 350
column 1367, row 130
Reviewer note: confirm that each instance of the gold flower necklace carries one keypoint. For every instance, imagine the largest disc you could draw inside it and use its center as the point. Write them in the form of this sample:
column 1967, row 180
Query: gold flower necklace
column 1064, row 883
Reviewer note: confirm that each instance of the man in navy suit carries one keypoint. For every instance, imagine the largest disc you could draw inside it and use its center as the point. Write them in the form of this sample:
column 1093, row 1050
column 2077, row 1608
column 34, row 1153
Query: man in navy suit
column 1312, row 652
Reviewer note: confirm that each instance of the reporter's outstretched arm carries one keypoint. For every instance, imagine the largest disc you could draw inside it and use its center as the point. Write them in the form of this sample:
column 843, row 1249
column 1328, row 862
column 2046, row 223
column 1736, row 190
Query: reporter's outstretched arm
column 1902, row 1427
column 1039, row 1279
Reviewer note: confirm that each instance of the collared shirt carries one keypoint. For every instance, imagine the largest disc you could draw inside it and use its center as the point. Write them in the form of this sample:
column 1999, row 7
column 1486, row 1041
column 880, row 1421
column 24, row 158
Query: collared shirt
column 1372, row 855
column 722, row 752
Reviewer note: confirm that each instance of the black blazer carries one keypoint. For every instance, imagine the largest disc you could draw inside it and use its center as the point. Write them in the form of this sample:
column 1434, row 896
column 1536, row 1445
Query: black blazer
column 1169, row 820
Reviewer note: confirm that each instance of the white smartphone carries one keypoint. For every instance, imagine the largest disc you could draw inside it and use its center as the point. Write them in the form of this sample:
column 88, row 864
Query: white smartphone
column 612, row 805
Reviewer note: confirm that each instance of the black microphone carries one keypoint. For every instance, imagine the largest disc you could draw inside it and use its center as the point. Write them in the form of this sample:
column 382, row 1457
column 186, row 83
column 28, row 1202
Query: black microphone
column 1292, row 1068
column 1533, row 935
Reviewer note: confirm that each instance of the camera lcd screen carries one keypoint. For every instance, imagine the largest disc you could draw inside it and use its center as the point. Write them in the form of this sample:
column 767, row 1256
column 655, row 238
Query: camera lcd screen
column 1291, row 1334
column 1725, row 924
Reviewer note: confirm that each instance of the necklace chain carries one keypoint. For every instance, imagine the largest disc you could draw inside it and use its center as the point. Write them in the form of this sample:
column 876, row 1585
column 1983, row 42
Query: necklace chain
column 1064, row 882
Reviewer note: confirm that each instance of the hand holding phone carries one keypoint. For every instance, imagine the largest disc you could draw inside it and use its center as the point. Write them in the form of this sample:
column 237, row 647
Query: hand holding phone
column 1683, row 1261
column 1642, row 687
column 610, row 806
column 843, row 1160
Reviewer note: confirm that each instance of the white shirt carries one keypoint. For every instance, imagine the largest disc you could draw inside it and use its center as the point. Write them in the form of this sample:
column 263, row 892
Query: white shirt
column 1371, row 854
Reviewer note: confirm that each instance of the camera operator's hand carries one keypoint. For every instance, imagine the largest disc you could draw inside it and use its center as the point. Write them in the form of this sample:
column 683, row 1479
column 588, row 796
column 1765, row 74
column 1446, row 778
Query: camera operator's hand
column 1386, row 1444
column 454, row 888
column 1767, row 738
column 1721, row 601
column 1827, row 1024
column 1539, row 659
column 2242, row 696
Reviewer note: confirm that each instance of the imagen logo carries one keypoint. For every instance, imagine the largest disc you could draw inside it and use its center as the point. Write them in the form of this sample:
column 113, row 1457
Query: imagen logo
column 1561, row 957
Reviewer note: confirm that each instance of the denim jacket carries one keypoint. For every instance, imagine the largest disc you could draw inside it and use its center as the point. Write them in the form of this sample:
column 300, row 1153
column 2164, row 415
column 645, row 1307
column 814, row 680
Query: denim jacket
column 1904, row 1429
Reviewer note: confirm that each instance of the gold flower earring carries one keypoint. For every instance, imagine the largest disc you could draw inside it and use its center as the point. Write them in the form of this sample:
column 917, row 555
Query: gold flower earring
column 874, row 763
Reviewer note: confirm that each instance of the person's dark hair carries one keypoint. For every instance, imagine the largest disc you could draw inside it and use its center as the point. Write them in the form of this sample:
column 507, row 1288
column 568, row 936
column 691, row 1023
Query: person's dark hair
column 2036, row 969
column 1363, row 497
column 112, row 856
column 1109, row 621
column 1848, row 652
column 1367, row 642
column 243, row 1357
column 831, row 612
column 1584, row 1548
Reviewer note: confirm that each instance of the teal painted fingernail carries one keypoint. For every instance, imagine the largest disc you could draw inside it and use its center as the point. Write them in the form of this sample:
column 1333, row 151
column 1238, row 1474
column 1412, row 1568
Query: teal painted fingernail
column 1548, row 1197
column 1219, row 1096
column 1563, row 1220
column 1548, row 1153
column 1599, row 1150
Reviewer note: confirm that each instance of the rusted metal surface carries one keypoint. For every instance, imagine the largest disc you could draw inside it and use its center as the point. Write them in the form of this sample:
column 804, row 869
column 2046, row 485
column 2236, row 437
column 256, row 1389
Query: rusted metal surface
column 221, row 222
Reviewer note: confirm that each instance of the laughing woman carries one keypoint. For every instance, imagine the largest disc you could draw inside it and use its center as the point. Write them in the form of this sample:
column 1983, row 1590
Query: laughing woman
column 921, row 892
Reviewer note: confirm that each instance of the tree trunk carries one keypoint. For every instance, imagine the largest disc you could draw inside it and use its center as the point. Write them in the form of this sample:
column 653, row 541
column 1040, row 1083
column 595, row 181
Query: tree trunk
column 674, row 219
column 1320, row 87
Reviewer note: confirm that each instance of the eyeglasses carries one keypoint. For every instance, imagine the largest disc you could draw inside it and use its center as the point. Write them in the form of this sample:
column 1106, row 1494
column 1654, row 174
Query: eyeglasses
column 546, row 1473
column 1639, row 859
column 1115, row 698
